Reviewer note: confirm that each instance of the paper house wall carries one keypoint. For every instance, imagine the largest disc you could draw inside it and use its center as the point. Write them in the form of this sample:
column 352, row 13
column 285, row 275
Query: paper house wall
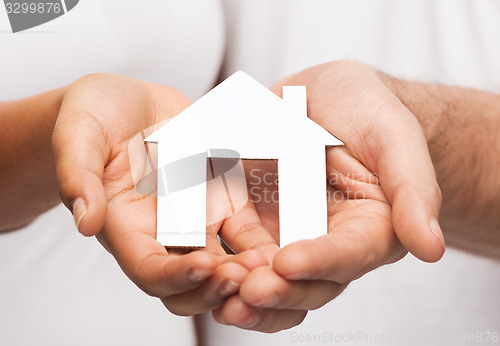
column 243, row 117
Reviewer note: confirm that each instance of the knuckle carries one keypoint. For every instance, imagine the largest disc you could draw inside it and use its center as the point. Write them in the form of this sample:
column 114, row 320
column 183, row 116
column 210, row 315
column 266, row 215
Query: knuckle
column 92, row 78
column 245, row 230
column 141, row 275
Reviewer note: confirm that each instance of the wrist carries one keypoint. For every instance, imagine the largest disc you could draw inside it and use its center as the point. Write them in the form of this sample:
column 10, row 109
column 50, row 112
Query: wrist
column 422, row 101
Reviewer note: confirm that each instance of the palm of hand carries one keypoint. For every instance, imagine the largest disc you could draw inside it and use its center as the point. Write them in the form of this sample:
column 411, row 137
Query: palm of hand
column 358, row 210
column 309, row 273
column 367, row 215
column 360, row 220
column 99, row 117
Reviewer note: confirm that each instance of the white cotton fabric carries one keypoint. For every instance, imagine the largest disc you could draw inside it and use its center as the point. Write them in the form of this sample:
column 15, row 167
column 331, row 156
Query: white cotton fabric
column 447, row 41
column 174, row 42
column 57, row 287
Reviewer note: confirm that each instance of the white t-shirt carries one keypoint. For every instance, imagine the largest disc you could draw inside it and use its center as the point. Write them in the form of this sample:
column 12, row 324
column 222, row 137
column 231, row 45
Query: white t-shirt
column 447, row 41
column 174, row 42
column 57, row 287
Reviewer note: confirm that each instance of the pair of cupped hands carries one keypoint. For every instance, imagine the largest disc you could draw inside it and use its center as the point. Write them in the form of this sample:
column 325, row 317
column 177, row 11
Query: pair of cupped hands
column 389, row 199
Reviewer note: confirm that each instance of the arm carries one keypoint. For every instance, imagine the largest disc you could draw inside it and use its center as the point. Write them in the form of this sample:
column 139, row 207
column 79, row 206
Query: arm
column 462, row 128
column 367, row 112
column 27, row 172
column 88, row 127
column 389, row 200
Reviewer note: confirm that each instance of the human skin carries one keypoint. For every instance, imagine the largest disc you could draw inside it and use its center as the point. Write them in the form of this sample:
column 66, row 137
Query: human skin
column 98, row 115
column 27, row 176
column 370, row 112
column 90, row 123
column 96, row 102
column 461, row 128
column 382, row 133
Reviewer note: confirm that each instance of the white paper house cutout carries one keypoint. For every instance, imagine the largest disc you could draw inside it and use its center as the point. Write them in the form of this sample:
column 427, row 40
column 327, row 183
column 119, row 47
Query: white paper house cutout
column 242, row 115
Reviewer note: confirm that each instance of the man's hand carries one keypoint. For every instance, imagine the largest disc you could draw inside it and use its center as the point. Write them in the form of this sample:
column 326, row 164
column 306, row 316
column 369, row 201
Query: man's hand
column 389, row 201
column 351, row 101
column 98, row 117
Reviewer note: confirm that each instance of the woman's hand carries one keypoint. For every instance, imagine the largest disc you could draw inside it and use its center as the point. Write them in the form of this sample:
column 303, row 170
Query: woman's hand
column 99, row 116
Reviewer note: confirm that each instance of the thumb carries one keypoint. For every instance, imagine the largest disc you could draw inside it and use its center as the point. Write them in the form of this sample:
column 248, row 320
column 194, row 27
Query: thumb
column 409, row 181
column 81, row 153
column 394, row 146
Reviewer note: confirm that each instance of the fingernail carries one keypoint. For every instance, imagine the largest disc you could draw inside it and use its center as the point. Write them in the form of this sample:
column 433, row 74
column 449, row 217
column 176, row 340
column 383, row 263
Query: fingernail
column 228, row 287
column 303, row 275
column 197, row 275
column 253, row 320
column 436, row 229
column 79, row 211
